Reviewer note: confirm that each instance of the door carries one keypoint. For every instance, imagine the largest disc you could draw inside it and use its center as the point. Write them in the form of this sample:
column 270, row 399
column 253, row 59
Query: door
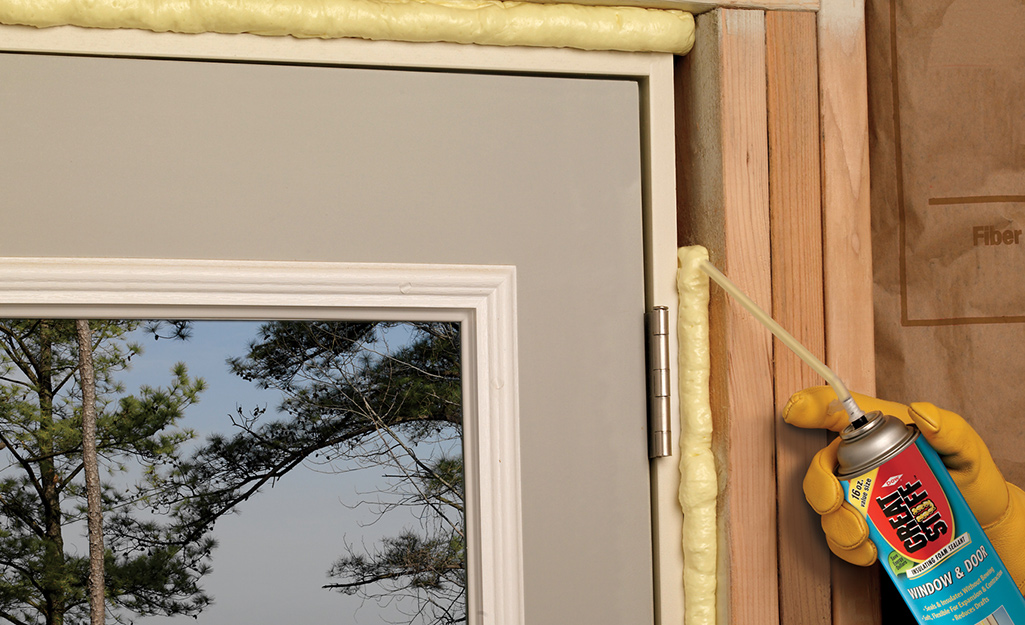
column 148, row 158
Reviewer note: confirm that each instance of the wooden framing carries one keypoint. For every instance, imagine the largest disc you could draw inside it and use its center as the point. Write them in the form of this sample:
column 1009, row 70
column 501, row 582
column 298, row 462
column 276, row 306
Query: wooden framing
column 796, row 227
column 773, row 170
column 723, row 178
column 846, row 234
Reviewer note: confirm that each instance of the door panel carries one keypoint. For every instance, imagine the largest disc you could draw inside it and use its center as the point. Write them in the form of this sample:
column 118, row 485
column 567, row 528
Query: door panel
column 173, row 159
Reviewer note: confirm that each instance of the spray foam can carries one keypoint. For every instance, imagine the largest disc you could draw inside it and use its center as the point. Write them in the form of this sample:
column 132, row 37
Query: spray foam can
column 927, row 537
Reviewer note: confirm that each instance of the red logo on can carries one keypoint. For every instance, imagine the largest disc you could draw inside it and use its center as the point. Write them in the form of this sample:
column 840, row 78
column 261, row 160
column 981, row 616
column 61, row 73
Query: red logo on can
column 911, row 512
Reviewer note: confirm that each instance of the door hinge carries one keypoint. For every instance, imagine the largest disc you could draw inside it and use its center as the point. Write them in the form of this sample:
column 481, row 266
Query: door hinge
column 659, row 427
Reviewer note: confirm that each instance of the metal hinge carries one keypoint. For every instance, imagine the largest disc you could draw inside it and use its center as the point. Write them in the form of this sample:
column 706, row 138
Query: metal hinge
column 659, row 428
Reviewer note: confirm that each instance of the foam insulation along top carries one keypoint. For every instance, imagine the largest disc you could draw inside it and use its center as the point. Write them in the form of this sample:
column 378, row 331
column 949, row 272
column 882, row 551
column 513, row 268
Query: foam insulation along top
column 485, row 22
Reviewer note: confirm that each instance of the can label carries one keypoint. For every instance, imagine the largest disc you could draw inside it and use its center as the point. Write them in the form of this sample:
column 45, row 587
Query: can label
column 930, row 543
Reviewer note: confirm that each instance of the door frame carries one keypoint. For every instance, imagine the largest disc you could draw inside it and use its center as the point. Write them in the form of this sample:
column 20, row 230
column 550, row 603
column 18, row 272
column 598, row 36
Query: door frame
column 501, row 601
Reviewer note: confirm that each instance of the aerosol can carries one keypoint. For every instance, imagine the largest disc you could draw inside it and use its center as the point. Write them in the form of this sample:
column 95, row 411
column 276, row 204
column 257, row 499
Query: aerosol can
column 926, row 536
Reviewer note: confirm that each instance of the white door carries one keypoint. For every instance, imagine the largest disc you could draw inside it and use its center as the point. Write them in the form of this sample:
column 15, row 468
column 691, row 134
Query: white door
column 155, row 158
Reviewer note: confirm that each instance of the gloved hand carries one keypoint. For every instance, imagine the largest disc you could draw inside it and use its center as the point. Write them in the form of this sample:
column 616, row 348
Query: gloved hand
column 999, row 506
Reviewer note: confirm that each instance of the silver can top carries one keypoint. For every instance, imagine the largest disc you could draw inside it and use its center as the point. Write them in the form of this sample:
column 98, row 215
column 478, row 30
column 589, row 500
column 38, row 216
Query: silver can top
column 873, row 444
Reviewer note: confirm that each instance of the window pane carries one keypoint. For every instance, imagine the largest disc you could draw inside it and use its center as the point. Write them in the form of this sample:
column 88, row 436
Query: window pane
column 324, row 458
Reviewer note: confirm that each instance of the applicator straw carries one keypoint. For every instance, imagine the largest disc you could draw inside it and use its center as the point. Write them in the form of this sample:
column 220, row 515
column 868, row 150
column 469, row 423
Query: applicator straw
column 857, row 416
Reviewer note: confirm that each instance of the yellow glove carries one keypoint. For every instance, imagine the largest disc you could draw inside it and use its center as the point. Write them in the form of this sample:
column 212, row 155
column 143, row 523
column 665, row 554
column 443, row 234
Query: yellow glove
column 999, row 506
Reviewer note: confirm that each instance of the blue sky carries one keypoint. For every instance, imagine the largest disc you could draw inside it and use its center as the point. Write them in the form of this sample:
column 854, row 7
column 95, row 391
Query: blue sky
column 273, row 557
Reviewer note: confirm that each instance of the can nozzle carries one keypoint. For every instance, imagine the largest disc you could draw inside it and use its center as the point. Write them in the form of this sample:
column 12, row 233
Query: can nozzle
column 856, row 414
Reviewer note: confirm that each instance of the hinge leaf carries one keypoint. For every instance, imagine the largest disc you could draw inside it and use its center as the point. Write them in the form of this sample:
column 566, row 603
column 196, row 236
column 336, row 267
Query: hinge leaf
column 658, row 359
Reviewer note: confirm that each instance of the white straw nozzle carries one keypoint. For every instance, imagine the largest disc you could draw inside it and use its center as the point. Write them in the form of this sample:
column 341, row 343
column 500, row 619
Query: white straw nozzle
column 853, row 411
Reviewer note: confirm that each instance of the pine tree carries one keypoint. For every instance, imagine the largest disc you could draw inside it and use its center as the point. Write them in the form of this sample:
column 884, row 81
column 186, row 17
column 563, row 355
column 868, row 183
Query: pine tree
column 348, row 397
column 91, row 468
column 152, row 566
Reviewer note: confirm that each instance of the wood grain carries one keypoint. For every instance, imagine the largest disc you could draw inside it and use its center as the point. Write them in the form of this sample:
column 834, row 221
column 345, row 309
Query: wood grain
column 724, row 190
column 796, row 235
column 845, row 192
column 850, row 348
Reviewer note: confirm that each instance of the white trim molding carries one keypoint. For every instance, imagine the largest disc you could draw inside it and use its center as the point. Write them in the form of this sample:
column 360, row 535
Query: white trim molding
column 481, row 298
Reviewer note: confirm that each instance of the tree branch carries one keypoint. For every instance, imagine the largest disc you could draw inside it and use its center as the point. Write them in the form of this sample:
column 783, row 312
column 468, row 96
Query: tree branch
column 10, row 617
